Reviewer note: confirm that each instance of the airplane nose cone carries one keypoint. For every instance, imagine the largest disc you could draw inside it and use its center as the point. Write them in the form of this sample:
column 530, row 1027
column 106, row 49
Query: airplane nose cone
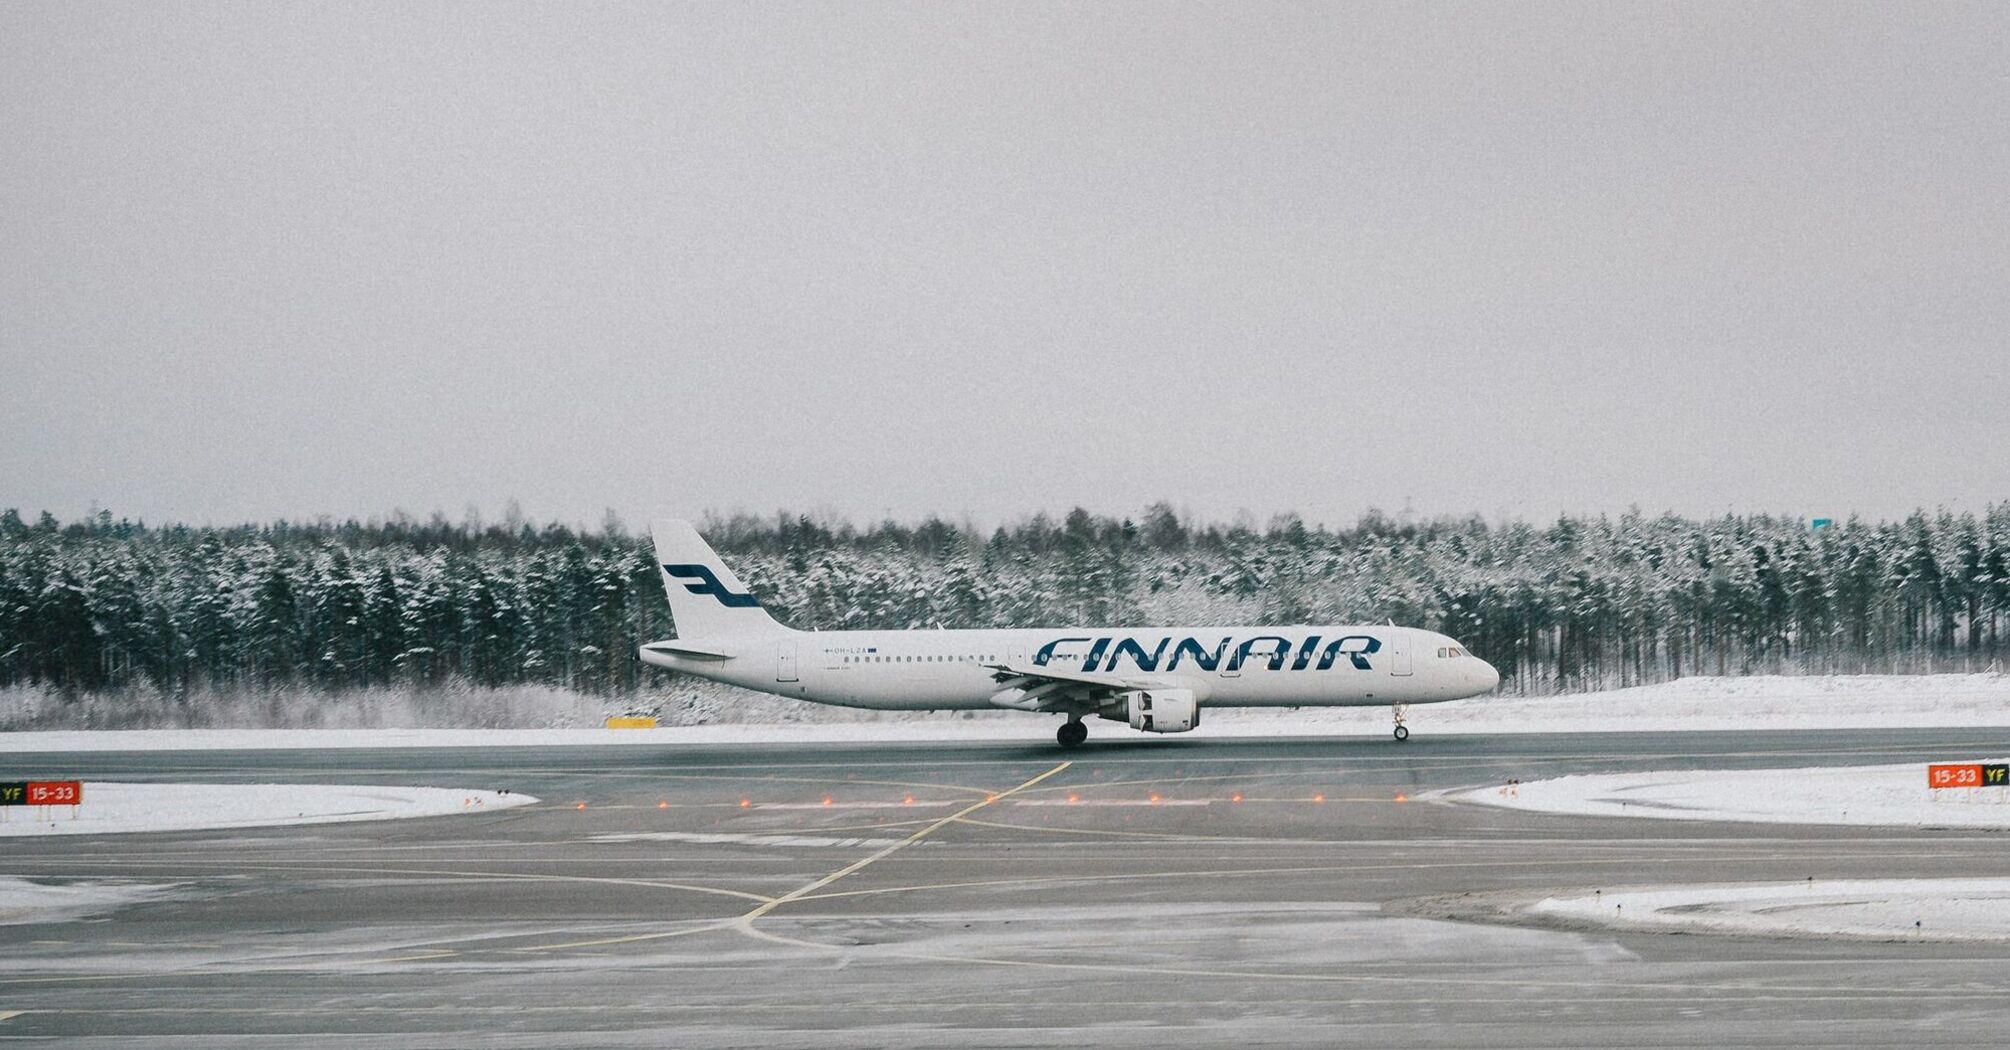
column 1490, row 677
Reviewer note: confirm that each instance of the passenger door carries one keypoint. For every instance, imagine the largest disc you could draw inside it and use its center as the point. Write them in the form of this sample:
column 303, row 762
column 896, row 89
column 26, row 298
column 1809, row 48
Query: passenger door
column 785, row 660
column 1399, row 652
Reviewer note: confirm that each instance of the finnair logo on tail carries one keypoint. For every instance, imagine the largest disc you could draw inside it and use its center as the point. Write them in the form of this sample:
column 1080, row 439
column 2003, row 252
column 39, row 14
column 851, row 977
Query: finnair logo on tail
column 708, row 583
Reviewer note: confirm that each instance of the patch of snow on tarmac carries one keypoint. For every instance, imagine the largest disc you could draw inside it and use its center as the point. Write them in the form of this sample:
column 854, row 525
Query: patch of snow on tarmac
column 1867, row 795
column 116, row 807
column 25, row 901
column 1882, row 909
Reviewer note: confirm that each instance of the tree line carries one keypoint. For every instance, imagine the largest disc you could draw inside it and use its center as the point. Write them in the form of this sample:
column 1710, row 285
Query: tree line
column 1584, row 602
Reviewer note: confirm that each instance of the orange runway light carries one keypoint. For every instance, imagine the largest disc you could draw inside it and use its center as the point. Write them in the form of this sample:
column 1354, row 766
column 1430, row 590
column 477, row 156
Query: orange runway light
column 827, row 800
column 745, row 802
column 908, row 801
column 1237, row 797
column 1074, row 798
column 1400, row 797
column 663, row 804
column 1319, row 798
column 1155, row 798
column 582, row 805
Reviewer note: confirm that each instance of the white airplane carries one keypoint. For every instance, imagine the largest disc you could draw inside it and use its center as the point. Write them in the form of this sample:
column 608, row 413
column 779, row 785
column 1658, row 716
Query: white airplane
column 1155, row 678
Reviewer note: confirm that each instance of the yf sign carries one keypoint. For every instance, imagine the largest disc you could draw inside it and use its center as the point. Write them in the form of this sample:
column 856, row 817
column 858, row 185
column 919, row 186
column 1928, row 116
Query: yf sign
column 42, row 793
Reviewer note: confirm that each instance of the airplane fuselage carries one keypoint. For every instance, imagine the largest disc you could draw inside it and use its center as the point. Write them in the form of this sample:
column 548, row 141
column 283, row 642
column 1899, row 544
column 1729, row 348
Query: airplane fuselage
column 1309, row 666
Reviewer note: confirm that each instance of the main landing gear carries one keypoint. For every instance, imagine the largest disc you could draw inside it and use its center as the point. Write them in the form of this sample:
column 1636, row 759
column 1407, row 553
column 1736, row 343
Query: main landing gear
column 1402, row 731
column 1072, row 732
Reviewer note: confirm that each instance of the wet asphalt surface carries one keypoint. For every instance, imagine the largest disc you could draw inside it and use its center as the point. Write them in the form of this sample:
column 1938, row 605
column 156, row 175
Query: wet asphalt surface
column 1133, row 892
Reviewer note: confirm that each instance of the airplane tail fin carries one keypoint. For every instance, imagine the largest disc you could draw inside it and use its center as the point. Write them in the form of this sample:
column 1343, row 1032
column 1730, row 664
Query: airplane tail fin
column 706, row 599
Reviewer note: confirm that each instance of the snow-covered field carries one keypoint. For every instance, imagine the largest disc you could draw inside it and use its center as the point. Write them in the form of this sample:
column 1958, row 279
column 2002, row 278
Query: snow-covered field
column 1884, row 909
column 1758, row 702
column 116, row 807
column 1869, row 795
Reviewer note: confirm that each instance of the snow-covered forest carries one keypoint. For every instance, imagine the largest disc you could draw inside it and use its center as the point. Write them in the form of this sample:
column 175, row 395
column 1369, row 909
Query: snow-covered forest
column 101, row 604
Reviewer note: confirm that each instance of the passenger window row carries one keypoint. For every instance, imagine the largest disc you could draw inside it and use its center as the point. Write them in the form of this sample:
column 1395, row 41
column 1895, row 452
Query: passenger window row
column 917, row 659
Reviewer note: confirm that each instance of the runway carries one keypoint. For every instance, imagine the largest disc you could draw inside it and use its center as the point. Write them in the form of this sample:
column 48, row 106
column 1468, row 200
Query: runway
column 1134, row 892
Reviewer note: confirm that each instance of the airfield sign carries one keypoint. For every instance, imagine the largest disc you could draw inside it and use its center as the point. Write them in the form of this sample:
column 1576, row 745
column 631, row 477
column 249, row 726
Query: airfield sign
column 1968, row 775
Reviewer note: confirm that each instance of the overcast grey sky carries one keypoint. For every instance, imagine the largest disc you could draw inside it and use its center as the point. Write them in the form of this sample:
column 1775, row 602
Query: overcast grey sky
column 285, row 259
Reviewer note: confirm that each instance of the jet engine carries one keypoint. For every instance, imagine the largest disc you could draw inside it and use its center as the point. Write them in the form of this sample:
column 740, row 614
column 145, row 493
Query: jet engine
column 1158, row 710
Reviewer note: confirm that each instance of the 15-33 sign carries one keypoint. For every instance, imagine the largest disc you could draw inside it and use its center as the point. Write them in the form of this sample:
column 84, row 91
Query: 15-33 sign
column 1968, row 775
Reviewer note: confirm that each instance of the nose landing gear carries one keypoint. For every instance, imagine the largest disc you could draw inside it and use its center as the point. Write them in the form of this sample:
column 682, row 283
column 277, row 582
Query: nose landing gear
column 1072, row 732
column 1402, row 731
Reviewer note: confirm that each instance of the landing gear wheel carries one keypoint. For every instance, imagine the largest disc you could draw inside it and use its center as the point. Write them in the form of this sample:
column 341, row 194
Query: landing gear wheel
column 1402, row 733
column 1071, row 733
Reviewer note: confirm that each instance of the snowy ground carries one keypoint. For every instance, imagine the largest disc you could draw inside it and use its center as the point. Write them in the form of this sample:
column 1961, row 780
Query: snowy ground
column 1759, row 702
column 1883, row 909
column 113, row 807
column 1752, row 702
column 1870, row 795
column 1972, row 909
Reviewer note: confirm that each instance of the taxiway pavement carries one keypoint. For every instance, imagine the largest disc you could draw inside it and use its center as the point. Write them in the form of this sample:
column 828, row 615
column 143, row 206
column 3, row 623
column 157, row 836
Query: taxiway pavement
column 1134, row 892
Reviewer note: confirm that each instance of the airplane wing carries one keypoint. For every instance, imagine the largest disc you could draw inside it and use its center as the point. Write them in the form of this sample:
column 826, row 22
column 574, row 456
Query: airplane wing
column 1005, row 672
column 1033, row 688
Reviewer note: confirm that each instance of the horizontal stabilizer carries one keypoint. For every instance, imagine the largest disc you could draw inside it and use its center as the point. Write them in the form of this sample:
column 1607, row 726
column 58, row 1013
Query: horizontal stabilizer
column 688, row 650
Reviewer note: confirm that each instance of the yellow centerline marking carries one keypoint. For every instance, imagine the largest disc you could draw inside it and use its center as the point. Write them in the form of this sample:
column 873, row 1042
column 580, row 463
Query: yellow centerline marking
column 630, row 939
column 933, row 826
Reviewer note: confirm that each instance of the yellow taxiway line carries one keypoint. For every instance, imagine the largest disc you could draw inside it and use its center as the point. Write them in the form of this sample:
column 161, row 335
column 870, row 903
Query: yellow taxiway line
column 934, row 826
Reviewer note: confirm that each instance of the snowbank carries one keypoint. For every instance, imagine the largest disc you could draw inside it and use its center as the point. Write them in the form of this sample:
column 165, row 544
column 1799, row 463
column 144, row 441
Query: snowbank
column 1754, row 702
column 1872, row 795
column 1882, row 909
column 112, row 807
column 1759, row 702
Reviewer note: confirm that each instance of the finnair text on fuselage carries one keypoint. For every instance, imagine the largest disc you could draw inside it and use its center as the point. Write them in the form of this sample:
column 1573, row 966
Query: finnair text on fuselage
column 1273, row 650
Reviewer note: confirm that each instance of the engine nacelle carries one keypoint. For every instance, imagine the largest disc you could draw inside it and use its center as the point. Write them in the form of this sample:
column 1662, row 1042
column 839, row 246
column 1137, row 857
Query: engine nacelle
column 1160, row 710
